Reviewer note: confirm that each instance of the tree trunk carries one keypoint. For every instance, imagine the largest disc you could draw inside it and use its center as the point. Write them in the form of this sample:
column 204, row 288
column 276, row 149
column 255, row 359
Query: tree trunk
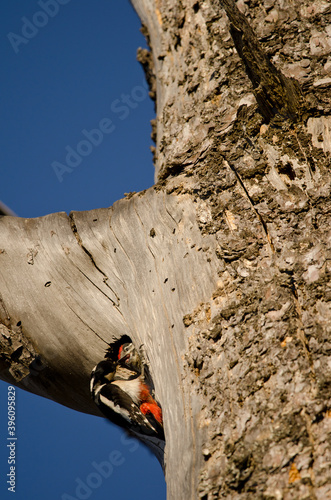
column 221, row 270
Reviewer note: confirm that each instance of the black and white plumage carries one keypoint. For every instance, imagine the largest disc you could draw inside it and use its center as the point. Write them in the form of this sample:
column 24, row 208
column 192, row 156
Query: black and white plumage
column 118, row 391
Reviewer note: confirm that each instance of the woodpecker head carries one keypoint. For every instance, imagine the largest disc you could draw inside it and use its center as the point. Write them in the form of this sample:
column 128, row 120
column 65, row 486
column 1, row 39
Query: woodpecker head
column 125, row 350
column 102, row 374
column 128, row 355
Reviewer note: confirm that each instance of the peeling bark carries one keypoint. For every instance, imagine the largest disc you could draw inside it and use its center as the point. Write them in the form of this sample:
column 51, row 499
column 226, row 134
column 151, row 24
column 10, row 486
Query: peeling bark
column 221, row 270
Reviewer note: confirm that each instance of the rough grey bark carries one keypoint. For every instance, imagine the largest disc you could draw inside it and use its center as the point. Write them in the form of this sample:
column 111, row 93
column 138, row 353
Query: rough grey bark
column 222, row 269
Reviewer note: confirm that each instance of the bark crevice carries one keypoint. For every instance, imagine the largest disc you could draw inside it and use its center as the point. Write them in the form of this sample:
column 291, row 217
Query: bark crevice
column 89, row 254
column 259, row 216
column 275, row 93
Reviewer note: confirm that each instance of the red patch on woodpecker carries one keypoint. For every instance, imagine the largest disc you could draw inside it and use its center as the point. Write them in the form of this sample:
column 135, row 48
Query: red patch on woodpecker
column 120, row 352
column 149, row 405
column 152, row 408
column 145, row 395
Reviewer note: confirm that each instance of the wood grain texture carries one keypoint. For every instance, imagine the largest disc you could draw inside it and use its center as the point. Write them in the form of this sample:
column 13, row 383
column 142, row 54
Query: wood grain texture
column 136, row 268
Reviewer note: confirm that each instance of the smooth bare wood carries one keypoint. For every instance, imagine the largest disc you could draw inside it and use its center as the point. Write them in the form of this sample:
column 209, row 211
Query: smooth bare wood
column 82, row 281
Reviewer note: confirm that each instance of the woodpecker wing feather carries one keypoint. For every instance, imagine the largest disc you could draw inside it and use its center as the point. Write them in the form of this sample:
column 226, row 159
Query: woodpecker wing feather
column 119, row 407
column 119, row 389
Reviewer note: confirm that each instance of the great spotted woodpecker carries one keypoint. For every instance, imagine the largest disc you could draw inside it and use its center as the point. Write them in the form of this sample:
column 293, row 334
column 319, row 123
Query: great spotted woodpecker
column 128, row 356
column 119, row 389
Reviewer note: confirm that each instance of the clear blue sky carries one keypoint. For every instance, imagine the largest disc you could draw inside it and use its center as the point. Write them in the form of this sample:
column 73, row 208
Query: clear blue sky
column 69, row 67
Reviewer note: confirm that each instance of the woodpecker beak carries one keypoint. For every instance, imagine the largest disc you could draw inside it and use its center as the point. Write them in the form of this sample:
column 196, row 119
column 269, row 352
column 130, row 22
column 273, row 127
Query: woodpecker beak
column 123, row 360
